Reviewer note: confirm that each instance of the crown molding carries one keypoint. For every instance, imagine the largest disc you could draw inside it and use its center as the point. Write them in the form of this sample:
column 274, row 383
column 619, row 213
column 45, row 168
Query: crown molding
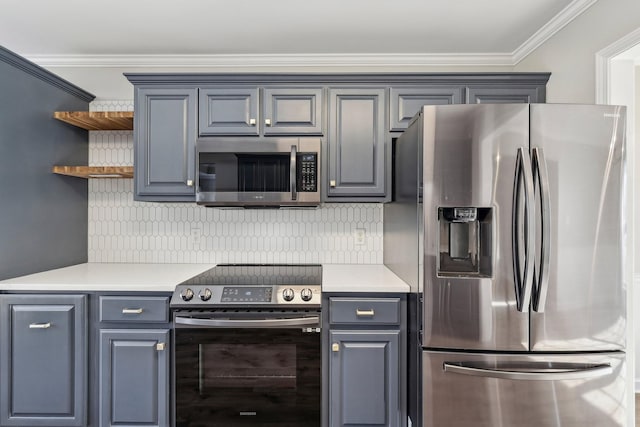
column 273, row 61
column 558, row 22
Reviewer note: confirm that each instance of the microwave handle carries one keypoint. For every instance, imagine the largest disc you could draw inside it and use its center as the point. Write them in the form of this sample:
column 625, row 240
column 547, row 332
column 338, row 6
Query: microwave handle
column 292, row 173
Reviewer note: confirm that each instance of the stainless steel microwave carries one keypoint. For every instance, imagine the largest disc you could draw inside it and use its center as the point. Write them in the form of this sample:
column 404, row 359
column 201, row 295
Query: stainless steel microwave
column 266, row 172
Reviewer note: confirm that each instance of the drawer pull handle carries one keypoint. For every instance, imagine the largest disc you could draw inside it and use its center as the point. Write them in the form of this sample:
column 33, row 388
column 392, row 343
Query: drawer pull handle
column 365, row 313
column 131, row 311
column 40, row 325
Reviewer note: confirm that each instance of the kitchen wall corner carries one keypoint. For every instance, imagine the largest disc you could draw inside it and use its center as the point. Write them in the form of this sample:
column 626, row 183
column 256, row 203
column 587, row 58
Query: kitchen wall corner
column 122, row 230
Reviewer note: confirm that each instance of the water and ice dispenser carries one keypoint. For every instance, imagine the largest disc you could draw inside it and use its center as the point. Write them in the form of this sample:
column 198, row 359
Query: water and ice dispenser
column 465, row 242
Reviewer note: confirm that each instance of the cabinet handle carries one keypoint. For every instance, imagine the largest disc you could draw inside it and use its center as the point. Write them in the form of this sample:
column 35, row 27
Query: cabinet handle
column 252, row 122
column 40, row 325
column 335, row 347
column 131, row 311
column 267, row 122
column 160, row 346
column 332, row 183
column 362, row 313
column 189, row 183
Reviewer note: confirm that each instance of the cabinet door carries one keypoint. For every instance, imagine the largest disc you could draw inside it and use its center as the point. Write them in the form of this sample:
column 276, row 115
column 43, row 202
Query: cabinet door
column 406, row 102
column 364, row 372
column 134, row 377
column 293, row 111
column 357, row 150
column 228, row 111
column 43, row 360
column 504, row 95
column 165, row 124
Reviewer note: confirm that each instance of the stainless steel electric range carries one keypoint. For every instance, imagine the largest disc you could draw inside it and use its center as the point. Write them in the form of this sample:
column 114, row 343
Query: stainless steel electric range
column 247, row 347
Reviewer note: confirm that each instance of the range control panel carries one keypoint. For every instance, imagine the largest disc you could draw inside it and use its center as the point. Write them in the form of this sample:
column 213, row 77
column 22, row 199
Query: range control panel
column 238, row 295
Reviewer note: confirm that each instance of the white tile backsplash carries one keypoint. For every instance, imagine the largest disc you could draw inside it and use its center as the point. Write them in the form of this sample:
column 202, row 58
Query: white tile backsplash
column 121, row 230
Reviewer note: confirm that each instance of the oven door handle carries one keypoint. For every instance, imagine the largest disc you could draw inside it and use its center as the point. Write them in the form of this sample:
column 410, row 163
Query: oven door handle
column 186, row 322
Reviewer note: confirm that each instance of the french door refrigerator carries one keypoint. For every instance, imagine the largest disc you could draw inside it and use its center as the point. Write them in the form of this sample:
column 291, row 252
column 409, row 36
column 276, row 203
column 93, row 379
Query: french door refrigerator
column 508, row 224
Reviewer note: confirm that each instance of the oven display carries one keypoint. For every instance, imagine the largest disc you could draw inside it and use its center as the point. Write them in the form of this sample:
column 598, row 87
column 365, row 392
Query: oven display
column 246, row 294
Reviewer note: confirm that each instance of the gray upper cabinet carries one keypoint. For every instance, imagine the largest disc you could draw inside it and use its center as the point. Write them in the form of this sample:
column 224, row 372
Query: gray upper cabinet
column 293, row 111
column 405, row 102
column 237, row 111
column 504, row 95
column 165, row 137
column 134, row 377
column 357, row 114
column 357, row 150
column 43, row 360
column 228, row 111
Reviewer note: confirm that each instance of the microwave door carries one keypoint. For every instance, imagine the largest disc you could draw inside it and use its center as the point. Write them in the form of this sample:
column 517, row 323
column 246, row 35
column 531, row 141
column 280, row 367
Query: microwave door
column 253, row 177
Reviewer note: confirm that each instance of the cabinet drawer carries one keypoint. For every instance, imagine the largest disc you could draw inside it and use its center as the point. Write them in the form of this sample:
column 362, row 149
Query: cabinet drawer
column 134, row 309
column 365, row 311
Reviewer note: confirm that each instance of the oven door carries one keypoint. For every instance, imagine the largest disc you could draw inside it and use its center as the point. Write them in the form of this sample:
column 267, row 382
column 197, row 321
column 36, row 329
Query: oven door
column 247, row 369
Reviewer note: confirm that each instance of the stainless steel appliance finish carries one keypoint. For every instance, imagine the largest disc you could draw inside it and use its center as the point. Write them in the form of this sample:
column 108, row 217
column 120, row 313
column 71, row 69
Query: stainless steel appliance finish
column 489, row 390
column 247, row 346
column 264, row 172
column 518, row 214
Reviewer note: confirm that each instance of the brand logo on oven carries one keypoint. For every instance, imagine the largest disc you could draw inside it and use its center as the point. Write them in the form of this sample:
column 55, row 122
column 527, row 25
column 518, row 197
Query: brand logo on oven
column 248, row 413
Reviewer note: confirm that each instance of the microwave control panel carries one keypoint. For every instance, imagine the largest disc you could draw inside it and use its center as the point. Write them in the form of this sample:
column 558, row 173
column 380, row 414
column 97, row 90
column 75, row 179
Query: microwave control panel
column 307, row 172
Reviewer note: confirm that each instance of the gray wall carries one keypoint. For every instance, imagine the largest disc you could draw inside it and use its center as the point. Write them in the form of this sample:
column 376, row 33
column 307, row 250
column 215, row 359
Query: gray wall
column 43, row 216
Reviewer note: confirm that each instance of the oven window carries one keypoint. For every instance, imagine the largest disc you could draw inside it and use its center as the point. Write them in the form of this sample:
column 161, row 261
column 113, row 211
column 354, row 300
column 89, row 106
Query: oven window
column 226, row 172
column 247, row 377
column 247, row 365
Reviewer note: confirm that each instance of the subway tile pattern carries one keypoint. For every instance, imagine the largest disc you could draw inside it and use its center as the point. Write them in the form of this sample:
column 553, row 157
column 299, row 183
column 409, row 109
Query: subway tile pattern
column 122, row 230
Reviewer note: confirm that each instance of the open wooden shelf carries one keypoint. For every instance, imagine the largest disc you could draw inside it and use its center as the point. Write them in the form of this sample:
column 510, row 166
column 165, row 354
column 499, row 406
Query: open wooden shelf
column 95, row 171
column 97, row 120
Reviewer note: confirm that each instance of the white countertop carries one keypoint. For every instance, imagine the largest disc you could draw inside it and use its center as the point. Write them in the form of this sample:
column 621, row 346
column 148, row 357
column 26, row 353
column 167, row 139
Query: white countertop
column 164, row 278
column 361, row 278
column 107, row 277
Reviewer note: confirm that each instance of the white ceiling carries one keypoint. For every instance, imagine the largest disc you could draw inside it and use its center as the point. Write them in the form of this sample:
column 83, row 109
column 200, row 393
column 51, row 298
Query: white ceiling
column 138, row 32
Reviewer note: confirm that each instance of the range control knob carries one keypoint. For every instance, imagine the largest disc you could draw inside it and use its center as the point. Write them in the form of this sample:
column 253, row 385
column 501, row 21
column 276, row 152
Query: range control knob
column 187, row 294
column 205, row 295
column 306, row 294
column 288, row 294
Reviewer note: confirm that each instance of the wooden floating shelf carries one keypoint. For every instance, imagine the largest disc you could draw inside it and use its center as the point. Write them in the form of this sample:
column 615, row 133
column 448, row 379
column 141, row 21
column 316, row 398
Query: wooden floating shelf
column 97, row 120
column 95, row 171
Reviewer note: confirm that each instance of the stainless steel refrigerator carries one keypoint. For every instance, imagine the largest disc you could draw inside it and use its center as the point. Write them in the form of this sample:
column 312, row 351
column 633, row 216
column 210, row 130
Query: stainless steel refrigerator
column 507, row 220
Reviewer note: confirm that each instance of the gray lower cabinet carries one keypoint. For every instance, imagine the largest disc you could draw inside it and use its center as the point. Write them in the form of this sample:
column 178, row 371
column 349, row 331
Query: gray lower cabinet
column 357, row 150
column 43, row 360
column 134, row 377
column 165, row 140
column 366, row 362
column 364, row 378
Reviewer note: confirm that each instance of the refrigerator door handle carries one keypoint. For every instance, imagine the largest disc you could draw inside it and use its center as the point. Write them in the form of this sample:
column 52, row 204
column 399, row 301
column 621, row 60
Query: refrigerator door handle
column 523, row 279
column 532, row 371
column 541, row 279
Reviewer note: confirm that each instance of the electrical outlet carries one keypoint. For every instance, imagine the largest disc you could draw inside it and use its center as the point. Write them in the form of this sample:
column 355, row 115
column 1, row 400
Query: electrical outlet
column 359, row 235
column 195, row 237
